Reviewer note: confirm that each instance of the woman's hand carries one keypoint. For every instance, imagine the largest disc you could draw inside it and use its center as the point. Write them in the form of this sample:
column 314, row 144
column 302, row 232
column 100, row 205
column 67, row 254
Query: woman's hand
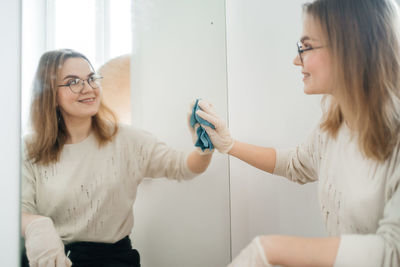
column 44, row 247
column 193, row 132
column 220, row 137
column 251, row 256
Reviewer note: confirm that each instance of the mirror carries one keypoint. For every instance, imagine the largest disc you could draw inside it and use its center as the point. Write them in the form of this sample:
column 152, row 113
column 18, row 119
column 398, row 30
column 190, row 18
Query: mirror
column 178, row 54
column 239, row 57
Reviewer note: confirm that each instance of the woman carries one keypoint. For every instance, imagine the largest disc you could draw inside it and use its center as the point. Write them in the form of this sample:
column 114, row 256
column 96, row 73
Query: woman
column 81, row 169
column 350, row 52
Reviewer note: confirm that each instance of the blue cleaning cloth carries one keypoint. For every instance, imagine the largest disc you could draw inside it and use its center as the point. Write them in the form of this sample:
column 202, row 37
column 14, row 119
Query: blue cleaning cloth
column 203, row 140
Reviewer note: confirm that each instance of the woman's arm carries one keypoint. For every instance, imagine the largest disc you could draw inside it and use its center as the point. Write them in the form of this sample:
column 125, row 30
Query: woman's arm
column 298, row 165
column 262, row 158
column 259, row 157
column 198, row 163
column 269, row 250
column 299, row 251
column 42, row 242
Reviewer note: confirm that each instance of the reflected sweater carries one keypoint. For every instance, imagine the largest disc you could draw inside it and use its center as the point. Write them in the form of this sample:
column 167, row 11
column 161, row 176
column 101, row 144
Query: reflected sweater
column 359, row 197
column 90, row 191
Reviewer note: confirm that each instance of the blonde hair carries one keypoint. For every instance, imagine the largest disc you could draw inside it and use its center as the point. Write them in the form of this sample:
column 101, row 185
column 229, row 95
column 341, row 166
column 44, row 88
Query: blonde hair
column 364, row 44
column 50, row 132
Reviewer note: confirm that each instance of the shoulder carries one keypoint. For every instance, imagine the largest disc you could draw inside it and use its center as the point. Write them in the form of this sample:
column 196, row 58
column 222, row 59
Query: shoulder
column 318, row 138
column 132, row 134
column 393, row 167
column 27, row 139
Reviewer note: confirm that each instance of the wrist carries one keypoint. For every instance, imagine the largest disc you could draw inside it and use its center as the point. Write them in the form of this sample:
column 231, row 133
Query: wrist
column 267, row 242
column 40, row 220
column 197, row 161
column 231, row 147
column 261, row 251
column 27, row 219
column 204, row 153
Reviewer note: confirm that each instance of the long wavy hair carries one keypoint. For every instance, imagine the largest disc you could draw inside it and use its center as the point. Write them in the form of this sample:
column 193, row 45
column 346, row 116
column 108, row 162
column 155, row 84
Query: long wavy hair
column 49, row 129
column 364, row 44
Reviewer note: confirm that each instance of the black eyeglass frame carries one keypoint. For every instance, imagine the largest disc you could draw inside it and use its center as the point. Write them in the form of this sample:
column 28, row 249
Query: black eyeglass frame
column 98, row 77
column 301, row 51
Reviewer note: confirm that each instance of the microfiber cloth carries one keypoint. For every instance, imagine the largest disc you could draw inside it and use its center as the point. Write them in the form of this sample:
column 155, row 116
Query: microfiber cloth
column 203, row 140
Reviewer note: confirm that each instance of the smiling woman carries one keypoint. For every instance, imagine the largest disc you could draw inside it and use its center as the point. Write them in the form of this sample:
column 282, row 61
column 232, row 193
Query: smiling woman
column 62, row 107
column 101, row 32
column 79, row 98
column 80, row 164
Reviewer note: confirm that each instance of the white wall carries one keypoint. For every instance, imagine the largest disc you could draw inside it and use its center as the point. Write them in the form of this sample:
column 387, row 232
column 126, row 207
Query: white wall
column 33, row 46
column 10, row 64
column 267, row 107
column 179, row 55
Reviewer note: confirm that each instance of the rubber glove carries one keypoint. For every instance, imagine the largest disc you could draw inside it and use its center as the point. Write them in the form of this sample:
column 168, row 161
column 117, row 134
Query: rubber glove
column 251, row 256
column 193, row 132
column 44, row 247
column 220, row 137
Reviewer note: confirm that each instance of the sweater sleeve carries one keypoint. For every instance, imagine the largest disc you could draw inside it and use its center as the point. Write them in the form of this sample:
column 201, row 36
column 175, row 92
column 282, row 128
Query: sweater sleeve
column 383, row 247
column 159, row 159
column 28, row 185
column 301, row 163
column 167, row 162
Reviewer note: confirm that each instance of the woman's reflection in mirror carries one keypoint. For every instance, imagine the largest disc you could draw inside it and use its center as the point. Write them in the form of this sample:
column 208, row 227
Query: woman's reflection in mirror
column 81, row 169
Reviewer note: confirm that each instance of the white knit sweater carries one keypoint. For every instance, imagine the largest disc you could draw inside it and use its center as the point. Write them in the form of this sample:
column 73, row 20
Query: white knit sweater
column 359, row 198
column 90, row 191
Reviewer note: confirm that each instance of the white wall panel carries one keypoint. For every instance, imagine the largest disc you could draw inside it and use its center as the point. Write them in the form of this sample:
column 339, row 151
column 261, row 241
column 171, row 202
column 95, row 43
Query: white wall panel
column 179, row 54
column 267, row 107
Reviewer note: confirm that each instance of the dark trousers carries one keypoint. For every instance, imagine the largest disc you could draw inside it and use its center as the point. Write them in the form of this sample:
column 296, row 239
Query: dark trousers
column 92, row 254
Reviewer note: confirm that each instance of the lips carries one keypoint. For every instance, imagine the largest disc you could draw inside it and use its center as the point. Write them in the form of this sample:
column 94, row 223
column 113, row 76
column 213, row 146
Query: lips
column 86, row 100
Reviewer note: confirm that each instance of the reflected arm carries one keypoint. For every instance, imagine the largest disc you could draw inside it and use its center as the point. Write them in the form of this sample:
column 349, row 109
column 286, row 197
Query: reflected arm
column 198, row 163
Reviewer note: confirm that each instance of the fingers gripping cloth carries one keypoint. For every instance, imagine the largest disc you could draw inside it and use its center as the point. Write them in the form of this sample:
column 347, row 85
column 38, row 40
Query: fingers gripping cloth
column 203, row 141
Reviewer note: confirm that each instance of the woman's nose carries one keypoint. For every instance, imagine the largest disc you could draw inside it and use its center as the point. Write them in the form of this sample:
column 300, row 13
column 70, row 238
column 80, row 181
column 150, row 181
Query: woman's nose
column 297, row 60
column 86, row 86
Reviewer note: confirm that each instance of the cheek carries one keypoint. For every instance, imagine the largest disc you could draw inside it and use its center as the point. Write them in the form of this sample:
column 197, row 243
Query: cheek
column 325, row 73
column 64, row 99
column 320, row 68
column 59, row 99
column 99, row 92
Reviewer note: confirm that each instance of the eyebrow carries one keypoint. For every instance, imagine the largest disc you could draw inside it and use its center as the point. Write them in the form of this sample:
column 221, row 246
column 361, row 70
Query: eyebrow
column 307, row 38
column 74, row 76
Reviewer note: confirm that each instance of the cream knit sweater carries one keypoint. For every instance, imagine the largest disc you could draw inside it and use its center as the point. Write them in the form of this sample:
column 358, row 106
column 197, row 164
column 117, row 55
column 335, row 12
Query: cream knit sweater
column 359, row 198
column 90, row 191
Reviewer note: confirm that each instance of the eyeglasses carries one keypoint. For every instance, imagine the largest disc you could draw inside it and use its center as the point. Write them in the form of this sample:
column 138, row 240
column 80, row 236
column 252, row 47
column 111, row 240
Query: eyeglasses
column 77, row 85
column 300, row 50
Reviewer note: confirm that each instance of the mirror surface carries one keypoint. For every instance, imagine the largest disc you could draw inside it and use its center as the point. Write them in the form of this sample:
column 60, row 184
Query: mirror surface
column 177, row 53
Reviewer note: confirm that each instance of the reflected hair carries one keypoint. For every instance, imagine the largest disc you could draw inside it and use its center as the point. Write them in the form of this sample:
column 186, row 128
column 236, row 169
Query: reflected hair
column 49, row 129
column 363, row 40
